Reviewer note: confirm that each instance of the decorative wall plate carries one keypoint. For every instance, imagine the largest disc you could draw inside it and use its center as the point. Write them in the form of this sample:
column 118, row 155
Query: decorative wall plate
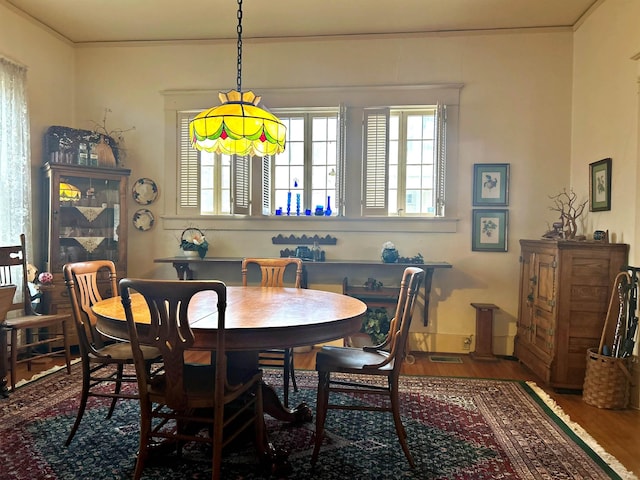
column 143, row 220
column 144, row 191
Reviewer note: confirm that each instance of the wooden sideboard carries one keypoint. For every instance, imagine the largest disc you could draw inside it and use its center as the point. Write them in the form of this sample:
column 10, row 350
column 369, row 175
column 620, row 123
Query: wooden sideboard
column 565, row 288
column 183, row 267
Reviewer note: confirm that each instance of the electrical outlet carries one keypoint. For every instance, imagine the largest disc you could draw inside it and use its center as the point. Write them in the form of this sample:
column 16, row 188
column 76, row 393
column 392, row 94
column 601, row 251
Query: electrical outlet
column 466, row 343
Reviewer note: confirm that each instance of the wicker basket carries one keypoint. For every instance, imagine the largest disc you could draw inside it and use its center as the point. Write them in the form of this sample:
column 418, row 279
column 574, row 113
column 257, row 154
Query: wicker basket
column 606, row 381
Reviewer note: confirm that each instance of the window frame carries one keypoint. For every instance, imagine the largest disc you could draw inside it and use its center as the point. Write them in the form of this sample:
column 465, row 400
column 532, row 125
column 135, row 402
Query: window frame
column 376, row 163
column 309, row 114
column 357, row 98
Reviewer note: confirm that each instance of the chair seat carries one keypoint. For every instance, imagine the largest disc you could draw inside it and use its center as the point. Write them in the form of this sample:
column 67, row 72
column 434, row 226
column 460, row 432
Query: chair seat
column 121, row 352
column 35, row 321
column 349, row 359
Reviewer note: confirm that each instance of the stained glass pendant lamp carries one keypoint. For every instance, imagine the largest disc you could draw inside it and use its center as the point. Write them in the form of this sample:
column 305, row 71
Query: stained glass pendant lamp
column 69, row 193
column 238, row 126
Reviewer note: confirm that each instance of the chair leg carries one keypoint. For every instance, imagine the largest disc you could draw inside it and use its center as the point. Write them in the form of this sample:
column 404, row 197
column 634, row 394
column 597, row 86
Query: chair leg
column 292, row 369
column 145, row 437
column 86, row 374
column 14, row 358
column 286, row 373
column 218, row 429
column 116, row 390
column 322, row 405
column 401, row 432
column 67, row 346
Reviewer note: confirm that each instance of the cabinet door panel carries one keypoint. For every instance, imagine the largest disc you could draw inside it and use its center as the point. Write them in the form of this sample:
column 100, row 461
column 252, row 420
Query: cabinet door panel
column 527, row 291
column 545, row 288
column 543, row 339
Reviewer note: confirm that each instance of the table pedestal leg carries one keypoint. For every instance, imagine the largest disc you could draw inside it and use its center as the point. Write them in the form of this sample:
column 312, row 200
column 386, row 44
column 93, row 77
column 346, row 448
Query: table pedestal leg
column 239, row 363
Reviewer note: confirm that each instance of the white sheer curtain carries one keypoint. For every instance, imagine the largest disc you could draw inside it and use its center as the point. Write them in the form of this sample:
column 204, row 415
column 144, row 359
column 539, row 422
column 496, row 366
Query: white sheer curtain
column 15, row 161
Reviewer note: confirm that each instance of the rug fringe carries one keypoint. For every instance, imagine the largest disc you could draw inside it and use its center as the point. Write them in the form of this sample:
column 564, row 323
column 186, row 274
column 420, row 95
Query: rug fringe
column 44, row 373
column 583, row 434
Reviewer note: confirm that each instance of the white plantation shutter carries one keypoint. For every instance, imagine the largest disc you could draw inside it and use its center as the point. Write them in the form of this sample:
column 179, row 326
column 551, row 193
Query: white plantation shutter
column 266, row 185
column 188, row 167
column 240, row 181
column 341, row 163
column 440, row 160
column 376, row 161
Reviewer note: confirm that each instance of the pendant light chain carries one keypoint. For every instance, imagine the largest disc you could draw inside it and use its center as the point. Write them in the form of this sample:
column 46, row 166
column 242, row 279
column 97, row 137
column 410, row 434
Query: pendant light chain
column 238, row 126
column 239, row 30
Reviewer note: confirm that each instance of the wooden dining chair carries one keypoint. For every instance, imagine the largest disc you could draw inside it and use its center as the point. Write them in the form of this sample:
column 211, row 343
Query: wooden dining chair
column 103, row 360
column 187, row 393
column 40, row 333
column 272, row 275
column 384, row 360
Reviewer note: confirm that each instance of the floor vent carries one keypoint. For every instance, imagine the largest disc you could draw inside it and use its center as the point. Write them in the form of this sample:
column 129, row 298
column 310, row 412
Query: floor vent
column 444, row 359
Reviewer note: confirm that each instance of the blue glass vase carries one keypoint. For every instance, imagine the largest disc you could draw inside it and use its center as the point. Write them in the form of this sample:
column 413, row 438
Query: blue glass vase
column 327, row 210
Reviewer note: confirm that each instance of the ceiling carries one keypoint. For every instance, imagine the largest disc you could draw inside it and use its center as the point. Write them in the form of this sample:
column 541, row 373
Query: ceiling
column 88, row 21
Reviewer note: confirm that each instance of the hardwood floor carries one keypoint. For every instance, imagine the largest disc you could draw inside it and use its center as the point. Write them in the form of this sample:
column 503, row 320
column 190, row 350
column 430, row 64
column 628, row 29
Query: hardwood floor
column 617, row 431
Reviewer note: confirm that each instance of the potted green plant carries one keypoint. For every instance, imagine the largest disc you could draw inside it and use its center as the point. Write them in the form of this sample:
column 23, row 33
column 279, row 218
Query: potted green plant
column 376, row 324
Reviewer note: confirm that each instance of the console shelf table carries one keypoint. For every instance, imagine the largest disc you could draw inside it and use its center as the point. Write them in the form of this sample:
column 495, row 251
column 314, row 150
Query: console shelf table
column 183, row 265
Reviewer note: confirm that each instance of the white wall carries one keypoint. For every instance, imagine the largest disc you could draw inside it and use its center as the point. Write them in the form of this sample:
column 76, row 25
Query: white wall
column 50, row 84
column 515, row 108
column 605, row 118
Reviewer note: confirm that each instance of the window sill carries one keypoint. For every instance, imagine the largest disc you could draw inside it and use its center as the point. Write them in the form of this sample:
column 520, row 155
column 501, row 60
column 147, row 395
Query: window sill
column 325, row 224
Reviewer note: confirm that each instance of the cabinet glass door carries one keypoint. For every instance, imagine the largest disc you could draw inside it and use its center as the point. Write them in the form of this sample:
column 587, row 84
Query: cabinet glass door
column 89, row 219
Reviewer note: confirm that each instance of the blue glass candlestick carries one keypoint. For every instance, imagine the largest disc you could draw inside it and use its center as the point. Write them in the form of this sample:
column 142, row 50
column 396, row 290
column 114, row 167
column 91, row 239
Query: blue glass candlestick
column 298, row 204
column 288, row 203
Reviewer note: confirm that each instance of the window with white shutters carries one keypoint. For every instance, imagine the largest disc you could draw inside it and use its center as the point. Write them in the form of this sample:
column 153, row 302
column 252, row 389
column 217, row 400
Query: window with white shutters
column 404, row 160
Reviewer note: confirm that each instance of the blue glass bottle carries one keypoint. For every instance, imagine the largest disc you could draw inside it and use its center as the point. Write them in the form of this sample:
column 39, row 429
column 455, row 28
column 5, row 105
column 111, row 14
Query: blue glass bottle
column 327, row 211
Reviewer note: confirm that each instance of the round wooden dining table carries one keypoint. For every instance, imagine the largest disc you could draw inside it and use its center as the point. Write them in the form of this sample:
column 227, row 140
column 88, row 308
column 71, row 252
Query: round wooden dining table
column 257, row 318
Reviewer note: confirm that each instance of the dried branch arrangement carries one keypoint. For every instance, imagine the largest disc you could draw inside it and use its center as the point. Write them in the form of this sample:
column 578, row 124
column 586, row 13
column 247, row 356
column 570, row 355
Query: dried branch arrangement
column 101, row 128
column 570, row 210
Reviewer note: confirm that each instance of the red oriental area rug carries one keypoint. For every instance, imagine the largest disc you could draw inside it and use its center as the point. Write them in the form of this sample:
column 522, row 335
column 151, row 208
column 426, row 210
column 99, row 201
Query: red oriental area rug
column 457, row 428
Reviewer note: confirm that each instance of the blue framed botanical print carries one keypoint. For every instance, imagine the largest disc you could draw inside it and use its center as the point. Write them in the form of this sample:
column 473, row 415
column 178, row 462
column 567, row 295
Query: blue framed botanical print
column 491, row 184
column 489, row 230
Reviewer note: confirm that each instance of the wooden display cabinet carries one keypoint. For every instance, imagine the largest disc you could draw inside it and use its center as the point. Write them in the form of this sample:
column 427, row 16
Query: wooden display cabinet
column 565, row 288
column 86, row 220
